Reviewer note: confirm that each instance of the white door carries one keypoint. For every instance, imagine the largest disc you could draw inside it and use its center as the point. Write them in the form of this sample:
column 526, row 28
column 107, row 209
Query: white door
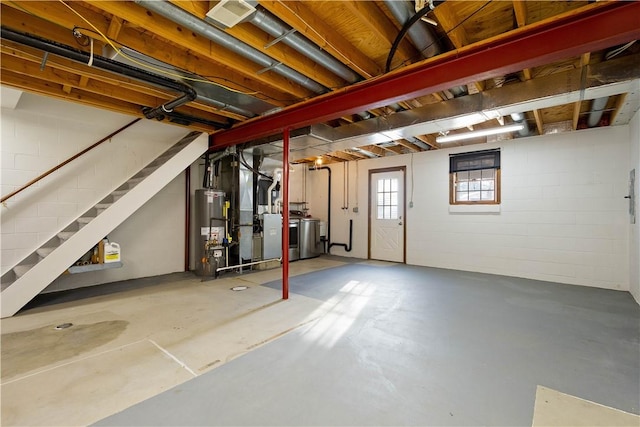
column 387, row 216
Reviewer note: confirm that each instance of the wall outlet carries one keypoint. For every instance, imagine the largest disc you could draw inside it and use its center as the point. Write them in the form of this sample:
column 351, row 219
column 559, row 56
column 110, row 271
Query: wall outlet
column 355, row 210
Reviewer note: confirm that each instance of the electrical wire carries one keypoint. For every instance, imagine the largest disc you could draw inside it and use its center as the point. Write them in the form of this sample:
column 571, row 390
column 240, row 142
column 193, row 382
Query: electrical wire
column 246, row 165
column 111, row 42
column 411, row 198
column 411, row 21
column 170, row 67
column 149, row 66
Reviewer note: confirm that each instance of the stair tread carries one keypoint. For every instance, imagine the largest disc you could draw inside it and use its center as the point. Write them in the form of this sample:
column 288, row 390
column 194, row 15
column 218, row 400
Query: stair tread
column 64, row 235
column 43, row 252
column 20, row 270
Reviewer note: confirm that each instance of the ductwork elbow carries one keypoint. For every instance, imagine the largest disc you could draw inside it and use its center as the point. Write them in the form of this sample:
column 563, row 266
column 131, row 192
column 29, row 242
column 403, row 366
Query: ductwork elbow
column 520, row 118
column 189, row 95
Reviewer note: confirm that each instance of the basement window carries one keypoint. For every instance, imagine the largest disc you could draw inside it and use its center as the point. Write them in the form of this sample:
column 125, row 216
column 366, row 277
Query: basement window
column 474, row 178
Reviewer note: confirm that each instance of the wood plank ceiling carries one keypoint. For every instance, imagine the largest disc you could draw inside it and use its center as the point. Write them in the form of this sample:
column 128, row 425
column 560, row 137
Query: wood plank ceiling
column 253, row 72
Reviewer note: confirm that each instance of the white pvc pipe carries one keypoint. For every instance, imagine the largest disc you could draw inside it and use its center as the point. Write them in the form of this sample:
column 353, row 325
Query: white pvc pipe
column 277, row 173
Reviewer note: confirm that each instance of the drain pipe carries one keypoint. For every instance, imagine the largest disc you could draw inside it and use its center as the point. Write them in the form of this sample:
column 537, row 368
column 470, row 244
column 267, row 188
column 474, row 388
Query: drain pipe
column 203, row 28
column 328, row 202
column 189, row 94
column 348, row 247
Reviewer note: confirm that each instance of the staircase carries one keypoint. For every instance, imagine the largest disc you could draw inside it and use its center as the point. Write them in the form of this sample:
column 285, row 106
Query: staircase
column 34, row 273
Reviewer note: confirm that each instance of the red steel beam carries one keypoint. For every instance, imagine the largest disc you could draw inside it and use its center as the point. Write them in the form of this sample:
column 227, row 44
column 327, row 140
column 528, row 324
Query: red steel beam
column 285, row 215
column 594, row 27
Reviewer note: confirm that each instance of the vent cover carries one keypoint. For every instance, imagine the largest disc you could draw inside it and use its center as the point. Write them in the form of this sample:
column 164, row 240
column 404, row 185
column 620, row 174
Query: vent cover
column 230, row 12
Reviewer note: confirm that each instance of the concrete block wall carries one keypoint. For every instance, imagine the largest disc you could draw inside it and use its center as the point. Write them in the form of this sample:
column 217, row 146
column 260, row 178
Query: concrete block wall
column 40, row 133
column 563, row 215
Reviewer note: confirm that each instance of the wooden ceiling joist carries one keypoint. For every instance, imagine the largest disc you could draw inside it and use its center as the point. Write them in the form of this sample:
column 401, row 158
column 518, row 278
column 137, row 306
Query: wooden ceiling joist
column 39, row 20
column 28, row 60
column 300, row 17
column 175, row 34
column 378, row 22
column 281, row 52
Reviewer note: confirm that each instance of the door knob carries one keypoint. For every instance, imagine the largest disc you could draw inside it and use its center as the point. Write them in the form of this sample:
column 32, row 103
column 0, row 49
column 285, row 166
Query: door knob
column 400, row 223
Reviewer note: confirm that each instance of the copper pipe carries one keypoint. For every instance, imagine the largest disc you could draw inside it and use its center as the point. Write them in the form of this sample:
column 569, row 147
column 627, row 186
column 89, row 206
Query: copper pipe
column 75, row 156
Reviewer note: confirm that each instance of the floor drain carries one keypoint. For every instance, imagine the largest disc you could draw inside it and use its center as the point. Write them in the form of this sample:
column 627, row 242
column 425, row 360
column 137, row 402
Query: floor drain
column 63, row 326
column 239, row 288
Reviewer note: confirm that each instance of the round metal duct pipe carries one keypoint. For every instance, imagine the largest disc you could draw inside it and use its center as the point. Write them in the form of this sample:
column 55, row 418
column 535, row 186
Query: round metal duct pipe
column 199, row 26
column 420, row 35
column 597, row 108
column 278, row 29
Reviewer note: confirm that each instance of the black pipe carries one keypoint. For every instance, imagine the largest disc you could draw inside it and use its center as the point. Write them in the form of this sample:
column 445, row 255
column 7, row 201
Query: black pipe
column 328, row 240
column 188, row 93
column 346, row 247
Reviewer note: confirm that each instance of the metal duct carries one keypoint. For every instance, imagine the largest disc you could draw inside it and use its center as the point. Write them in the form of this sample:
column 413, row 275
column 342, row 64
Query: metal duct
column 280, row 30
column 521, row 119
column 197, row 25
column 210, row 94
column 189, row 94
column 597, row 108
column 420, row 34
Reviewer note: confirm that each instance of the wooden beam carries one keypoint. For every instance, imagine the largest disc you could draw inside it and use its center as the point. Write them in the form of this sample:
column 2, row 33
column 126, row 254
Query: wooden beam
column 371, row 16
column 141, row 41
column 343, row 155
column 539, row 123
column 577, row 106
column 69, row 81
column 429, row 140
column 30, row 63
column 395, row 149
column 619, row 103
column 449, row 21
column 114, row 27
column 450, row 24
column 300, row 17
column 408, row 145
column 83, row 81
column 358, row 156
column 520, row 10
column 42, row 87
column 374, row 149
column 186, row 39
column 281, row 52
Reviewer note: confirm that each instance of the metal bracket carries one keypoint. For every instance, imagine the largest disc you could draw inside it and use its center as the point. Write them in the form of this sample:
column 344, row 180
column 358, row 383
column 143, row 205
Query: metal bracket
column 279, row 38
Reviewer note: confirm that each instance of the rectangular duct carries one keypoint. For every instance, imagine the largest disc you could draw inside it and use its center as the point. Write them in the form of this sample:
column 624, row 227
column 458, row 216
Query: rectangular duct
column 608, row 78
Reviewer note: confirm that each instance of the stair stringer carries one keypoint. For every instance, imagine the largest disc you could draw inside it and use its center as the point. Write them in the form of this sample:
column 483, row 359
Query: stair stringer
column 34, row 281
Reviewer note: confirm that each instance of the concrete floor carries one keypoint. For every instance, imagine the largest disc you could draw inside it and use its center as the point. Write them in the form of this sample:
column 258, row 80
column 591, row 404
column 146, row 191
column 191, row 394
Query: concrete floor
column 358, row 343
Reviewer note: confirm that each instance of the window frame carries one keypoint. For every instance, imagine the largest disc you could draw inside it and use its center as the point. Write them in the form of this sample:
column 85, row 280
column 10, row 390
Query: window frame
column 384, row 205
column 453, row 171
